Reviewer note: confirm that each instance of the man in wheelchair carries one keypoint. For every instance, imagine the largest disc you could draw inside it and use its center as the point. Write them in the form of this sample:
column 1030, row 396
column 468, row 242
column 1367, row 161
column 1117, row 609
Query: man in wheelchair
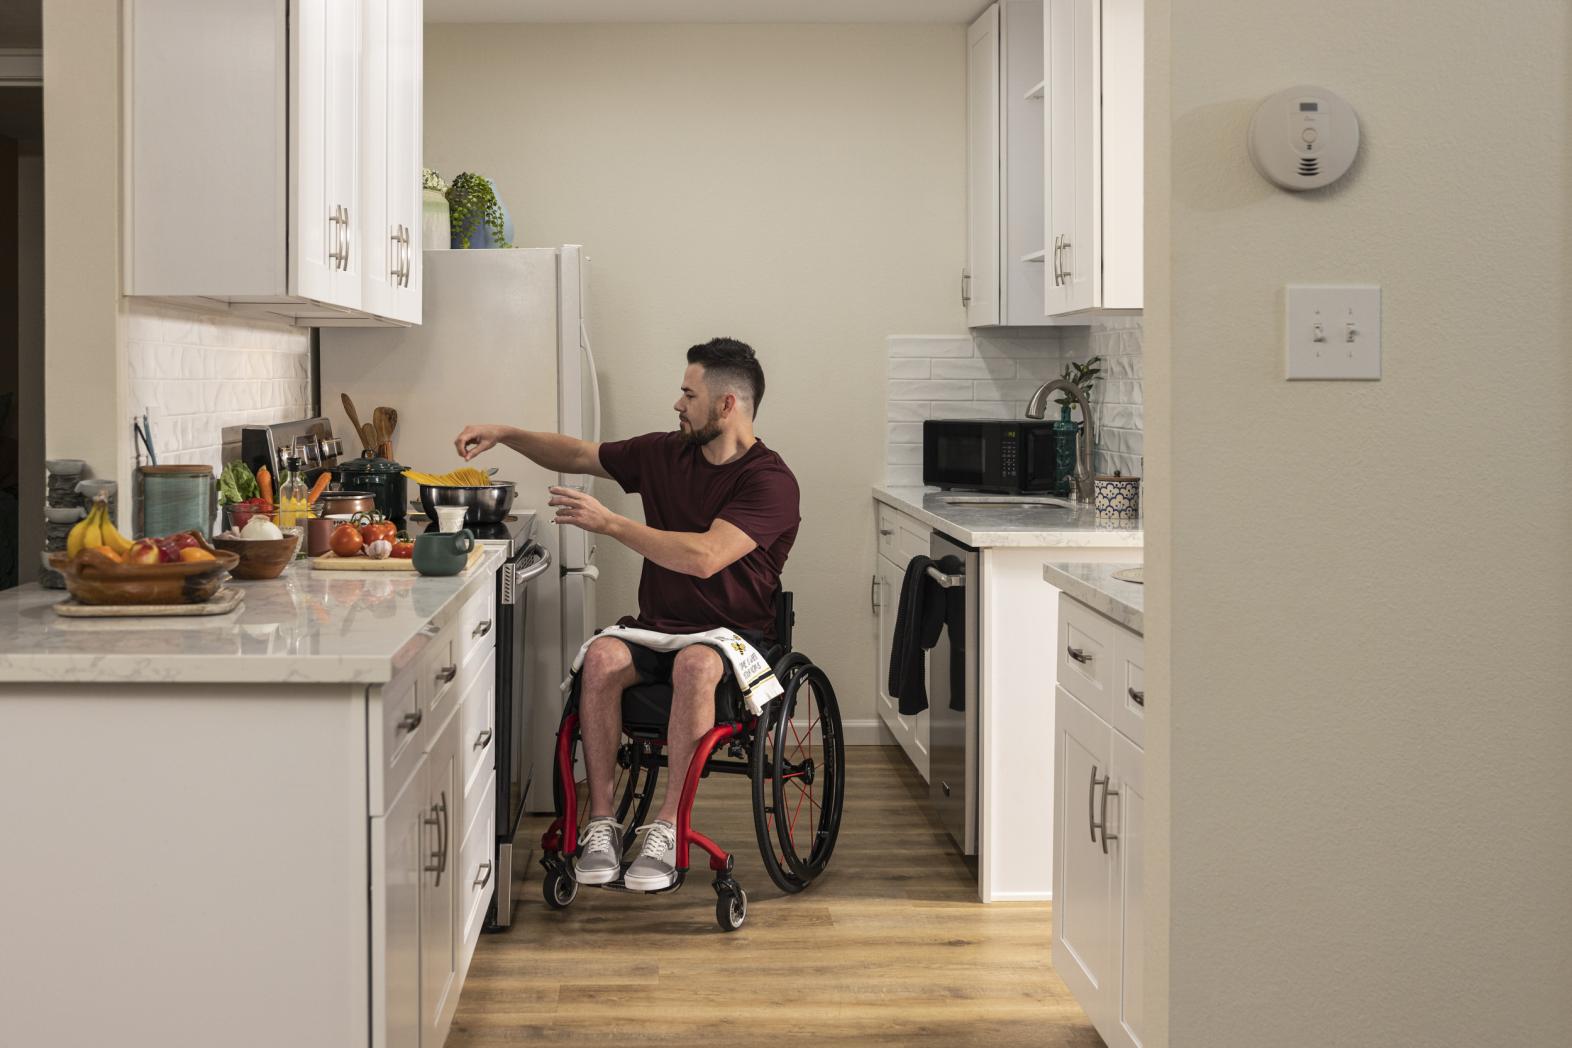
column 721, row 514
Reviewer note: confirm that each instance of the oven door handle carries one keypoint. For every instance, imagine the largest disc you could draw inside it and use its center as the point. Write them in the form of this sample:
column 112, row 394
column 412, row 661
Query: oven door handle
column 535, row 570
column 946, row 581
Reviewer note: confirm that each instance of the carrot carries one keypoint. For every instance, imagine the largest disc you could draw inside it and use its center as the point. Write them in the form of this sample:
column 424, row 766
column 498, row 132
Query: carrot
column 318, row 488
column 265, row 485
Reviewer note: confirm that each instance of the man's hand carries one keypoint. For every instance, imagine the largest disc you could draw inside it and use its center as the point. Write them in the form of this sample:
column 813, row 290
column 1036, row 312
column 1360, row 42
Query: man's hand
column 475, row 439
column 581, row 510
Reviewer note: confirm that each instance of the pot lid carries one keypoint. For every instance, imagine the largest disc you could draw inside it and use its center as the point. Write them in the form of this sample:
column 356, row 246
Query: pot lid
column 369, row 463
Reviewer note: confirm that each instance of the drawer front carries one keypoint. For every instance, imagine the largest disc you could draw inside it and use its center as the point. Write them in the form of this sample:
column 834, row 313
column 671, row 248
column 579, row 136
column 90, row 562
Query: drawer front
column 477, row 719
column 477, row 865
column 475, row 631
column 1129, row 687
column 900, row 537
column 403, row 732
column 1087, row 655
column 439, row 675
column 888, row 529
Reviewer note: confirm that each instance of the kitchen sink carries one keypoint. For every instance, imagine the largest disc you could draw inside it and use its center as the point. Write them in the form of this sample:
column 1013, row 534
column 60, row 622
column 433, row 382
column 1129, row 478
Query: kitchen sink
column 997, row 501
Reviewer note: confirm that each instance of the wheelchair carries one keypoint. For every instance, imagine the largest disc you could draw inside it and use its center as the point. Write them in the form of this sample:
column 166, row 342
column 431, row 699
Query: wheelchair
column 793, row 752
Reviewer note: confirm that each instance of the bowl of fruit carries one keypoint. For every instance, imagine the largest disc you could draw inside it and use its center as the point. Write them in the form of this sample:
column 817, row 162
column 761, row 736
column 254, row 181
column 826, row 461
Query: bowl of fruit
column 101, row 566
column 264, row 548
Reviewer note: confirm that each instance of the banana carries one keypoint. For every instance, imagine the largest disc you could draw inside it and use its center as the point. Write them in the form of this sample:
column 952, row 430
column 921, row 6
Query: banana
column 111, row 535
column 96, row 529
column 76, row 541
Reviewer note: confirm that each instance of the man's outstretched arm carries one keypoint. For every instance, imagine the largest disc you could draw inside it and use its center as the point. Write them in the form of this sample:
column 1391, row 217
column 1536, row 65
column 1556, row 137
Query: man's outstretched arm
column 553, row 451
column 698, row 553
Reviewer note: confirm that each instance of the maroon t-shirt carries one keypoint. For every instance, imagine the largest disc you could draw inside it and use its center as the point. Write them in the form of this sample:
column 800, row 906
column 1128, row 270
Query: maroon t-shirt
column 683, row 491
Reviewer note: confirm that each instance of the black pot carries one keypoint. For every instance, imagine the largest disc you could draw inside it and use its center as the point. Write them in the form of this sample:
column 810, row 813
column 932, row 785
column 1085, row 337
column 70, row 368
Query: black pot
column 384, row 478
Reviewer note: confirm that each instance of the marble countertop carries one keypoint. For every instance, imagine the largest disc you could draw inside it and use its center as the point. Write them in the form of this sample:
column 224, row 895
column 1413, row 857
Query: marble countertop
column 1095, row 586
column 322, row 627
column 1004, row 525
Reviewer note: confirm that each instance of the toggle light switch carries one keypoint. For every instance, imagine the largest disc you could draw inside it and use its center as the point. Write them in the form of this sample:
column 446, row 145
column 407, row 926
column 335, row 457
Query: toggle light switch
column 1354, row 310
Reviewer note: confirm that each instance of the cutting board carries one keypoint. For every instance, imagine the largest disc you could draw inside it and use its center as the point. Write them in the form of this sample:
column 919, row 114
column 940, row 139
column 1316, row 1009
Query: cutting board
column 220, row 603
column 333, row 562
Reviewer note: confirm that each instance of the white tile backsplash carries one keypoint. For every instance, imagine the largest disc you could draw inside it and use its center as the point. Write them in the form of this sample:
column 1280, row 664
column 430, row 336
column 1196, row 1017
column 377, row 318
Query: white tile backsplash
column 991, row 376
column 197, row 373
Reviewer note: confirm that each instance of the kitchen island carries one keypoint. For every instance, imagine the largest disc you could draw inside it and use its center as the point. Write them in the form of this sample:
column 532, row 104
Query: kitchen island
column 263, row 828
column 1005, row 756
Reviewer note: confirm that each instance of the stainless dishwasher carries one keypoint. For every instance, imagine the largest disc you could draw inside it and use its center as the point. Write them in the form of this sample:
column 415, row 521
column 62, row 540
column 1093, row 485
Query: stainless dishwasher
column 952, row 693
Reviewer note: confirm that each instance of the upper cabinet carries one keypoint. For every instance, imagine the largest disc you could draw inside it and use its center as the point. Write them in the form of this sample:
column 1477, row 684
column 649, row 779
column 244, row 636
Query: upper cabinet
column 272, row 157
column 1003, row 282
column 1093, row 192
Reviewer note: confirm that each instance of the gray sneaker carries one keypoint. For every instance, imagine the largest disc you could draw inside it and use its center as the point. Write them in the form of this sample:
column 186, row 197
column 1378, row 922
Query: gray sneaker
column 599, row 859
column 656, row 866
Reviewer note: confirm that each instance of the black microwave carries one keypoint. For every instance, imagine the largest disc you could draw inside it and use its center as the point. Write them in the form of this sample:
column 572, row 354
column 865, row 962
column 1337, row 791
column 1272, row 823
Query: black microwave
column 1008, row 456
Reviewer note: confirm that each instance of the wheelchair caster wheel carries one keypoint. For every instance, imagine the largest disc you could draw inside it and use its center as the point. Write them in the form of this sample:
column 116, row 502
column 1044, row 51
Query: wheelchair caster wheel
column 731, row 909
column 560, row 889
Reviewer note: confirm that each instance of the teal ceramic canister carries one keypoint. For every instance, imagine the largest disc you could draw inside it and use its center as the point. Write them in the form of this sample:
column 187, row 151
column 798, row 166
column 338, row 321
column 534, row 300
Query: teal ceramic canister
column 175, row 498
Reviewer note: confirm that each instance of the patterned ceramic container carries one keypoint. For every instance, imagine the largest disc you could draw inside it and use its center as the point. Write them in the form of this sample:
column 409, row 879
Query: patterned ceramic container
column 1117, row 496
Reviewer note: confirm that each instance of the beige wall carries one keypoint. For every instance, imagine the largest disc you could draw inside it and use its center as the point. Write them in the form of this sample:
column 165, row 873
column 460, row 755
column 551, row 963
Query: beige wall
column 799, row 187
column 84, row 372
column 1361, row 589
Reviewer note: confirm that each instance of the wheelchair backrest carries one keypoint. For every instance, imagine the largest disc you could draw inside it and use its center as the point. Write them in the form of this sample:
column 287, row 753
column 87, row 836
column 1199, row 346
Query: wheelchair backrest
column 785, row 618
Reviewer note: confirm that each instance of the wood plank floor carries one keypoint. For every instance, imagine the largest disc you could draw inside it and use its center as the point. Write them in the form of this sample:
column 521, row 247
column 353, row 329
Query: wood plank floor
column 889, row 947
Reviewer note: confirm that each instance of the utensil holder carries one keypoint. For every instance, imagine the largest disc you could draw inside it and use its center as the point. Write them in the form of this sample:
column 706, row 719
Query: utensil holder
column 175, row 498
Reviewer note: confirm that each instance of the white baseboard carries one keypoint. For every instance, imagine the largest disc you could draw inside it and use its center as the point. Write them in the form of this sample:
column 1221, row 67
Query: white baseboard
column 869, row 732
column 1021, row 897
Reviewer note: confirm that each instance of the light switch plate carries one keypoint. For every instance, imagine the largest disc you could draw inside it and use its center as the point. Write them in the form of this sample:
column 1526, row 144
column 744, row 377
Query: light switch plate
column 1334, row 332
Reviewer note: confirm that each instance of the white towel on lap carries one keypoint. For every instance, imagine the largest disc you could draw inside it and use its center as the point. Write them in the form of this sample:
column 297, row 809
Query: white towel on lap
column 755, row 678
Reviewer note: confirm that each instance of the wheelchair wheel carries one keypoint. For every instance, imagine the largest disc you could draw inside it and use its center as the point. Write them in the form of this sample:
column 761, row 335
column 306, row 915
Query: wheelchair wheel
column 799, row 765
column 633, row 787
column 559, row 888
column 731, row 909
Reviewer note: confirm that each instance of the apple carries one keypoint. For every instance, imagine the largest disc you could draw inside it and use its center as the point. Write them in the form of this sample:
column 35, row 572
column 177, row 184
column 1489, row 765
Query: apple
column 185, row 540
column 143, row 551
column 168, row 553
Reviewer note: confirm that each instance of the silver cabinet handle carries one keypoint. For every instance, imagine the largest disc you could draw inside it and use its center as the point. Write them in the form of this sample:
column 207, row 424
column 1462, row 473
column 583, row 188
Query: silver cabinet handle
column 482, row 739
column 343, row 238
column 408, row 256
column 1069, row 256
column 946, row 581
column 481, row 630
column 966, row 288
column 1137, row 697
column 333, row 239
column 1091, row 805
column 446, row 674
column 1056, row 241
column 346, row 239
column 873, row 593
column 408, row 722
column 1091, row 797
column 439, row 819
column 1107, row 792
column 945, row 787
column 886, row 531
column 483, row 875
column 1077, row 654
column 397, row 272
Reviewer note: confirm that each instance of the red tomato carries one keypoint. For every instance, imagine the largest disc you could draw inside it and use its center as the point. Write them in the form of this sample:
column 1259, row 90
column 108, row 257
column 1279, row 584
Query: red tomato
column 403, row 550
column 380, row 529
column 346, row 540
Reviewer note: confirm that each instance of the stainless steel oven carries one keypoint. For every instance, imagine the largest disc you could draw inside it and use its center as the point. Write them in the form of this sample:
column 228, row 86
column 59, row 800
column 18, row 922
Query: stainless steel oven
column 953, row 689
column 1007, row 456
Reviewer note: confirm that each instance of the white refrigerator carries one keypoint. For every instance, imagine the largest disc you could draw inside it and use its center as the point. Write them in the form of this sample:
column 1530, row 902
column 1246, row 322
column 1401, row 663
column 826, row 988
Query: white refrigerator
column 503, row 339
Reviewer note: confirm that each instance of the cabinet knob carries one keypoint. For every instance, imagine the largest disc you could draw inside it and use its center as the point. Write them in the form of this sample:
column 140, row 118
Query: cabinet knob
column 1078, row 655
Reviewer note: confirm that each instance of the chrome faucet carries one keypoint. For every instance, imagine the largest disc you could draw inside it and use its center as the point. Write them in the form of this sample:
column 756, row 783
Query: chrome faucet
column 1085, row 477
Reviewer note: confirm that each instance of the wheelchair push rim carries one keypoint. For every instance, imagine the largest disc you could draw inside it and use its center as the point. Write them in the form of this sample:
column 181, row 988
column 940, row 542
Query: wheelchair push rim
column 799, row 766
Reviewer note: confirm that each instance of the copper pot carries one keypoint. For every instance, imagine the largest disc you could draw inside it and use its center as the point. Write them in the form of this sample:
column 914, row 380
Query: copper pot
column 344, row 503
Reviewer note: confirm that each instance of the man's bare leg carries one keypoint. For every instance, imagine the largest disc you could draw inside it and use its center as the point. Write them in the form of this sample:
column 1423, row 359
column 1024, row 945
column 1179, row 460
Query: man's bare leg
column 607, row 672
column 693, row 679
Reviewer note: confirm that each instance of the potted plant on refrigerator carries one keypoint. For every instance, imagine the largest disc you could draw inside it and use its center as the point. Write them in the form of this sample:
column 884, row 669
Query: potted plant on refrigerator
column 477, row 216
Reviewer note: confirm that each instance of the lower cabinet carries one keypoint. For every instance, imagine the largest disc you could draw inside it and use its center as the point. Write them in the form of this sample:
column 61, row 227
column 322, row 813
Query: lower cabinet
column 439, row 923
column 1099, row 926
column 400, row 841
column 900, row 539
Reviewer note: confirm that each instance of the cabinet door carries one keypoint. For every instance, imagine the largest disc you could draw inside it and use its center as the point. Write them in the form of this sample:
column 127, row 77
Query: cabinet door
column 389, row 114
column 324, row 110
column 1126, row 1027
column 439, row 895
column 982, row 168
column 1070, row 52
column 398, row 848
column 1082, row 873
column 889, row 591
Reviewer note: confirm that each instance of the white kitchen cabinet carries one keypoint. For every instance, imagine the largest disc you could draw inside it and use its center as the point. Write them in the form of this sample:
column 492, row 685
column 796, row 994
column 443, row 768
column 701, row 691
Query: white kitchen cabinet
column 900, row 538
column 1003, row 280
column 1093, row 193
column 1099, row 807
column 439, row 895
column 390, row 158
column 397, row 839
column 269, row 145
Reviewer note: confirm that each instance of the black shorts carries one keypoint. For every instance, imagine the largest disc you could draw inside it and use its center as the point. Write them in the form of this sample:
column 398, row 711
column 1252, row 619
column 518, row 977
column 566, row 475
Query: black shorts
column 649, row 700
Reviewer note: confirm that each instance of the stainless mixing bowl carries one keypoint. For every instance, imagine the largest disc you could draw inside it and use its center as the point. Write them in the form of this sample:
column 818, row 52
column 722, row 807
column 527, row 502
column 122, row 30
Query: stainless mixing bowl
column 483, row 504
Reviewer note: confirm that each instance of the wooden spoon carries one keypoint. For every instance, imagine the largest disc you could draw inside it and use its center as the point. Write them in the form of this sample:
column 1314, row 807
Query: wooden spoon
column 354, row 416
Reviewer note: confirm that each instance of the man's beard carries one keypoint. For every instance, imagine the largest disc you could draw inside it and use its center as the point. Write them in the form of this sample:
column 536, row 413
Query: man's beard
column 703, row 435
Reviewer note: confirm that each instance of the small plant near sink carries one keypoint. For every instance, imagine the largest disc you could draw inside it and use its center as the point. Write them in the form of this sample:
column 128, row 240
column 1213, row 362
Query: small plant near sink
column 1085, row 378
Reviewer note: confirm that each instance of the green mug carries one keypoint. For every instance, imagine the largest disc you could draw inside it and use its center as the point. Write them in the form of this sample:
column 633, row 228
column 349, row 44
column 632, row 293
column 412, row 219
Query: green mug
column 443, row 552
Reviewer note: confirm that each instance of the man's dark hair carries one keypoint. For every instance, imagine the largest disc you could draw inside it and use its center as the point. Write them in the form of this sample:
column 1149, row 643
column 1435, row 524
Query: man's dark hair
column 729, row 364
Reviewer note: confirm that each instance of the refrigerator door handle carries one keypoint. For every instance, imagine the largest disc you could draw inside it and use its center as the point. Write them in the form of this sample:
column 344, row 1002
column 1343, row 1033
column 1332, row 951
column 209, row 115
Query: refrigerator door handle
column 594, row 379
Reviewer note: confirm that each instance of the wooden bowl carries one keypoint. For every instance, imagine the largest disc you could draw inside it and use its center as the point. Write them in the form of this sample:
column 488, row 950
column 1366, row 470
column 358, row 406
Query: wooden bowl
column 93, row 578
column 260, row 558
